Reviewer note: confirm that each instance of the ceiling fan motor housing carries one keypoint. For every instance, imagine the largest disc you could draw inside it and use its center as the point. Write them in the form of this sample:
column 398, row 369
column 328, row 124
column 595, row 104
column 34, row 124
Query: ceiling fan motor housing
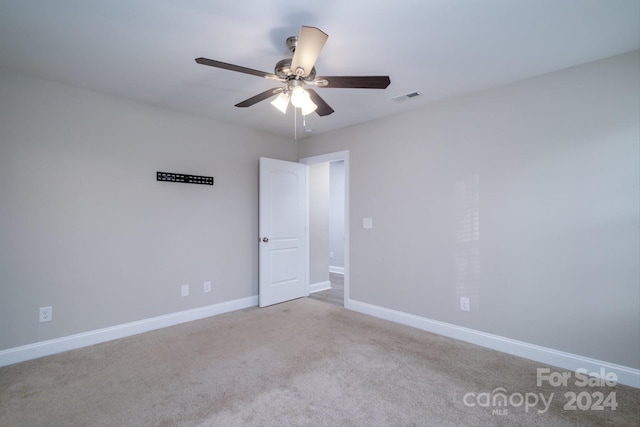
column 283, row 70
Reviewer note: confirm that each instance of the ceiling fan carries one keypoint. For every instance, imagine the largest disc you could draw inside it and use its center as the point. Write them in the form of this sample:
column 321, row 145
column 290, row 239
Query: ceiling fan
column 298, row 72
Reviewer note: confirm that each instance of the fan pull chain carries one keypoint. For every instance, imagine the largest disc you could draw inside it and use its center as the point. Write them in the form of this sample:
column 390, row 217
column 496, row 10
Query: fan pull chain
column 295, row 124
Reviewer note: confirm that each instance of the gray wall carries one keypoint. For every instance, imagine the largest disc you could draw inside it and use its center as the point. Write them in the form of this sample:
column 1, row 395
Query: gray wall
column 336, row 215
column 85, row 227
column 318, row 223
column 526, row 197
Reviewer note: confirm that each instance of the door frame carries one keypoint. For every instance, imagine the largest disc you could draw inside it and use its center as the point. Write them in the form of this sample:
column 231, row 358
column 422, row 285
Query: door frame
column 332, row 157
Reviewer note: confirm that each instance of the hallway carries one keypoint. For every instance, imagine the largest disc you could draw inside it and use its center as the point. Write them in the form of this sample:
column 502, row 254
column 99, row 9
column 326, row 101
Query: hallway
column 335, row 295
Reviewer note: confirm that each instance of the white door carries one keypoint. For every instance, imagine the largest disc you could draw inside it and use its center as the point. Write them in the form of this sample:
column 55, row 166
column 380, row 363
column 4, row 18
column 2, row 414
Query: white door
column 283, row 231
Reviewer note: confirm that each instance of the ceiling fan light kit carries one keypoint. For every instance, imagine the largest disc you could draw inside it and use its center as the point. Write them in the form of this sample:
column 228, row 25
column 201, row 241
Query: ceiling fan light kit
column 308, row 107
column 298, row 71
column 281, row 102
column 299, row 98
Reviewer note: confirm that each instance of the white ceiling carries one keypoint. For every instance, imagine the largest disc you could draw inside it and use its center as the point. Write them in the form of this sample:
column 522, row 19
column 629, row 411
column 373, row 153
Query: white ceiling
column 145, row 49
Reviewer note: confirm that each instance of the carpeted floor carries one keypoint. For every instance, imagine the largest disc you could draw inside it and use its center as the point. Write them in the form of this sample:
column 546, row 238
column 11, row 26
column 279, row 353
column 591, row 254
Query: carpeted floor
column 300, row 363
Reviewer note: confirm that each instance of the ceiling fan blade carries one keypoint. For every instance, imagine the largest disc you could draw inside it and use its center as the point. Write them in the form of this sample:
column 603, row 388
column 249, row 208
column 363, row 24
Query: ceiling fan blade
column 238, row 68
column 259, row 97
column 354, row 82
column 323, row 108
column 311, row 40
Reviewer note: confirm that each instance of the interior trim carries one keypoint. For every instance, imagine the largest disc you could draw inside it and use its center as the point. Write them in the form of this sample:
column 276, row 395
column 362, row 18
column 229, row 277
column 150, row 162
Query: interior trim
column 84, row 339
column 548, row 356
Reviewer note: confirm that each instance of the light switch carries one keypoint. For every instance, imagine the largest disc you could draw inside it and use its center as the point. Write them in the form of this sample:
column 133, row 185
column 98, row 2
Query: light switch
column 367, row 222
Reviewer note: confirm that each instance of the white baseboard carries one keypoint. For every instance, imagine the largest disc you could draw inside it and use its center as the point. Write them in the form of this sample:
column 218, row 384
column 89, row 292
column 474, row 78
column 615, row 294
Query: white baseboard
column 334, row 269
column 548, row 356
column 320, row 286
column 72, row 342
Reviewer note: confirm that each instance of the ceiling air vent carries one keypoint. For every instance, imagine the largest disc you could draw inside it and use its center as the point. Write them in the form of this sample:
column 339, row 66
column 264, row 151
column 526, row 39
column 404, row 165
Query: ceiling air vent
column 406, row 97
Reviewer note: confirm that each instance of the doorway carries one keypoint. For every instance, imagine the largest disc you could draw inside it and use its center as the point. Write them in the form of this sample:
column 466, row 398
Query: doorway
column 329, row 227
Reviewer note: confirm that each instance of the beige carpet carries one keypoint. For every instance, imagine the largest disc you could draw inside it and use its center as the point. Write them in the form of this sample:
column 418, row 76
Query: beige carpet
column 301, row 363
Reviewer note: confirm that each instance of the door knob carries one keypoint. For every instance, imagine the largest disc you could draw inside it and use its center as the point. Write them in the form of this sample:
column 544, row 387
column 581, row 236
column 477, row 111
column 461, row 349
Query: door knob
column 265, row 239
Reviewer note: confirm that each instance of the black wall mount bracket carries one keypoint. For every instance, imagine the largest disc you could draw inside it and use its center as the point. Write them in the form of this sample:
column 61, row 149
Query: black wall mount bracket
column 183, row 178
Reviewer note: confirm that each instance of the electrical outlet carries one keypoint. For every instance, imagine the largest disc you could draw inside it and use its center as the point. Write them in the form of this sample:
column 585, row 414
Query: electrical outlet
column 464, row 303
column 207, row 286
column 184, row 290
column 46, row 314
